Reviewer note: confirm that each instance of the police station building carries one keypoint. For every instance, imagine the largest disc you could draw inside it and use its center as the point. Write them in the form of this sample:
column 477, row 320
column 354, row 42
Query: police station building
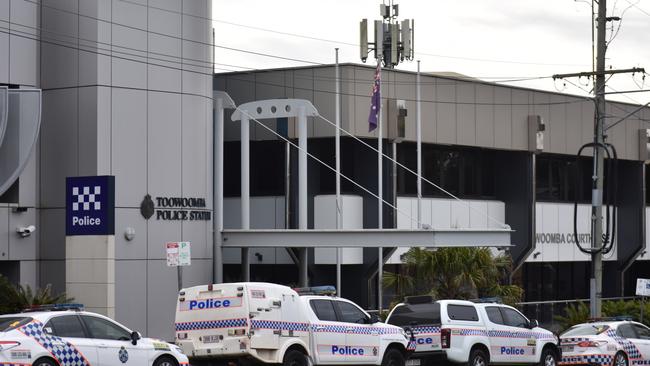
column 112, row 160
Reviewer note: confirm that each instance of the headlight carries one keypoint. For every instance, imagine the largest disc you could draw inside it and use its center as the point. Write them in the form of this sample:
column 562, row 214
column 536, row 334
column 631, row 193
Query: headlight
column 7, row 345
column 178, row 349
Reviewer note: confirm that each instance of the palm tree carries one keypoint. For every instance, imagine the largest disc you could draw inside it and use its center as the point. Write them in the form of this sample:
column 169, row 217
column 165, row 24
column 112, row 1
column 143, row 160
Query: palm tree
column 456, row 273
column 15, row 298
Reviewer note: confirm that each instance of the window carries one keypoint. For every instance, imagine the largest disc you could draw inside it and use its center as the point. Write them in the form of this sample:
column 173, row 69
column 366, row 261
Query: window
column 494, row 314
column 351, row 313
column 420, row 314
column 65, row 326
column 585, row 329
column 556, row 179
column 642, row 332
column 11, row 323
column 323, row 309
column 103, row 329
column 512, row 318
column 462, row 312
column 625, row 331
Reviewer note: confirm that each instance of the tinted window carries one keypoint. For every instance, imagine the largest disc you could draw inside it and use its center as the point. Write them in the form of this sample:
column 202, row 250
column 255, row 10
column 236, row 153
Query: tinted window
column 641, row 331
column 462, row 312
column 103, row 329
column 351, row 313
column 585, row 329
column 420, row 314
column 7, row 324
column 513, row 318
column 625, row 331
column 494, row 314
column 323, row 309
column 65, row 326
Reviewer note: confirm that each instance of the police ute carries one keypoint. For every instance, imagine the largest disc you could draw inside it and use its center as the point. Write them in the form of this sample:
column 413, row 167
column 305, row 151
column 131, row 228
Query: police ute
column 65, row 335
column 473, row 333
column 242, row 323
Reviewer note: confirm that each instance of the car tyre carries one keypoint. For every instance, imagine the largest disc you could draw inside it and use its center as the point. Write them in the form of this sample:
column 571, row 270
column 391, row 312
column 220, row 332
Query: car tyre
column 549, row 358
column 477, row 358
column 294, row 358
column 44, row 362
column 620, row 359
column 165, row 361
column 393, row 357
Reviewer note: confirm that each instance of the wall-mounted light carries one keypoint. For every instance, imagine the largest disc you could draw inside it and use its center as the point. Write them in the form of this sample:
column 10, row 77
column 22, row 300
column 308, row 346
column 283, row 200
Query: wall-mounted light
column 25, row 231
column 129, row 233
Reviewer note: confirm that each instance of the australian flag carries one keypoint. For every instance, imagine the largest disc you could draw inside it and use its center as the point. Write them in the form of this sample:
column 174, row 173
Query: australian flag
column 375, row 100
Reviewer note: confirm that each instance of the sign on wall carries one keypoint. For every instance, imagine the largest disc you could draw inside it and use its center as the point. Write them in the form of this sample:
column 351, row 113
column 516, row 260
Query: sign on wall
column 643, row 287
column 178, row 254
column 90, row 205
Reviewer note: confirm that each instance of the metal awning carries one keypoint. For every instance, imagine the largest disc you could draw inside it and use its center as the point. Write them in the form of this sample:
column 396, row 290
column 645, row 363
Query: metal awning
column 367, row 238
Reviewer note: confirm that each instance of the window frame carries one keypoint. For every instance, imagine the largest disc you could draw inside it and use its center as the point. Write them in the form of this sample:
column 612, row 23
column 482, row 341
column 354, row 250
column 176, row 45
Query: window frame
column 59, row 316
column 503, row 314
column 334, row 308
column 498, row 310
column 92, row 336
column 337, row 307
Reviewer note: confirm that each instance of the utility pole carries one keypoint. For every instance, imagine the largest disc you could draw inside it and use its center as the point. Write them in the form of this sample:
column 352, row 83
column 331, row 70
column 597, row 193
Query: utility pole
column 597, row 240
column 596, row 280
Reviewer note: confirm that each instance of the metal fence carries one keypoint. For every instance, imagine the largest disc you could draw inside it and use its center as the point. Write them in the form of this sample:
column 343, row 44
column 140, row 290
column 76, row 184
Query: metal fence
column 546, row 312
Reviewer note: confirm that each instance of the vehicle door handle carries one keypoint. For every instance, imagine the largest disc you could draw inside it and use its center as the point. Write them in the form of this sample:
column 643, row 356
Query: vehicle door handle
column 349, row 329
column 320, row 328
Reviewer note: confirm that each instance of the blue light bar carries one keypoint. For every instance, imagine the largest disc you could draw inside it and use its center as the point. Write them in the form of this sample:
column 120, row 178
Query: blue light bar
column 316, row 290
column 55, row 307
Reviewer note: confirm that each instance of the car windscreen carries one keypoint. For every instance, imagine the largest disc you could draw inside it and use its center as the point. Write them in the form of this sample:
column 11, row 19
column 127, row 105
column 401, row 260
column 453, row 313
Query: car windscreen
column 13, row 322
column 585, row 330
column 417, row 314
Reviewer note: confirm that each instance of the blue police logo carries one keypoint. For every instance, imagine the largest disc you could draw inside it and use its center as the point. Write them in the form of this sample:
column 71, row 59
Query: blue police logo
column 124, row 355
column 90, row 205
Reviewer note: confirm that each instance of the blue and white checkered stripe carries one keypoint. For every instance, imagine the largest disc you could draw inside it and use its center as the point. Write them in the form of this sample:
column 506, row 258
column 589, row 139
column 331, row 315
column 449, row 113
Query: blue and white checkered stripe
column 472, row 332
column 426, row 330
column 273, row 324
column 526, row 335
column 65, row 353
column 628, row 347
column 15, row 364
column 598, row 359
column 212, row 324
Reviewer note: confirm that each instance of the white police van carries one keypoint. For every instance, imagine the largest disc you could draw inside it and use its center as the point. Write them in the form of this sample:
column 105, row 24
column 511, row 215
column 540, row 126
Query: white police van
column 476, row 333
column 268, row 323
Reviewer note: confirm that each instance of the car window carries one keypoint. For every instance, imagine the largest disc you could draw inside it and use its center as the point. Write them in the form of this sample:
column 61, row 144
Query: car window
column 513, row 318
column 13, row 322
column 641, row 331
column 65, row 326
column 323, row 309
column 419, row 314
column 462, row 312
column 625, row 331
column 585, row 329
column 103, row 329
column 351, row 313
column 494, row 314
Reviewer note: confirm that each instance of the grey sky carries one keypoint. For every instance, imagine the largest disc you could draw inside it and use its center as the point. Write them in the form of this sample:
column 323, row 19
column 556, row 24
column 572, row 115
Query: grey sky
column 472, row 37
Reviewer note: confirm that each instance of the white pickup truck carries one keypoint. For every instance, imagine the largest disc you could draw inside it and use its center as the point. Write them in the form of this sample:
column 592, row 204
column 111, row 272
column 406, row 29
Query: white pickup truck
column 473, row 333
column 251, row 322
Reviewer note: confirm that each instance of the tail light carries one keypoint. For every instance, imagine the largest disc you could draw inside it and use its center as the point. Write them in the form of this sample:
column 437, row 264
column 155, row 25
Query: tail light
column 586, row 344
column 7, row 345
column 445, row 338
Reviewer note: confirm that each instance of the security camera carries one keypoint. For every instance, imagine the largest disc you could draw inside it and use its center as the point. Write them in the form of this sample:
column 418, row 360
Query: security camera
column 25, row 231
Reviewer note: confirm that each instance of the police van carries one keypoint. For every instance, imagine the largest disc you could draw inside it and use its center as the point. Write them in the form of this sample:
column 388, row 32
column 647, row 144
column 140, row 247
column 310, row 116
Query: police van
column 268, row 323
column 477, row 333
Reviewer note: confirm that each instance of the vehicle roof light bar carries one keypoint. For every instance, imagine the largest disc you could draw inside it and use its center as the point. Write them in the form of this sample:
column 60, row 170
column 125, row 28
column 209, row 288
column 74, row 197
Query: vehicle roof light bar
column 316, row 290
column 55, row 307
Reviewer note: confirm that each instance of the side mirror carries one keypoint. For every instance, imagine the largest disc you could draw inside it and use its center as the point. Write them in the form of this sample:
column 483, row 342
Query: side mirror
column 135, row 336
column 532, row 323
column 374, row 319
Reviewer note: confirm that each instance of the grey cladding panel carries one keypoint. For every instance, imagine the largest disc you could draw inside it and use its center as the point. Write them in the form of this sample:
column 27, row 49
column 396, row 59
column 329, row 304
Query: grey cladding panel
column 466, row 118
column 502, row 118
column 573, row 127
column 131, row 295
column 520, row 112
column 164, row 144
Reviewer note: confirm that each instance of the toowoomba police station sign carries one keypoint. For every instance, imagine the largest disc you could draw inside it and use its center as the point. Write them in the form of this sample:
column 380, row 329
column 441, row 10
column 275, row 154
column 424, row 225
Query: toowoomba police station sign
column 175, row 208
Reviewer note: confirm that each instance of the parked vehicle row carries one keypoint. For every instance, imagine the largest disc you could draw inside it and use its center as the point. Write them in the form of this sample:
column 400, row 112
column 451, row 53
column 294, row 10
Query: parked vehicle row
column 261, row 323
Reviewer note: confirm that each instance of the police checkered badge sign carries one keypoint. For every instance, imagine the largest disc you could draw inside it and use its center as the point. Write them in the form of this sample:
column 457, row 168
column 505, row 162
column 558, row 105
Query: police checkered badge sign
column 90, row 205
column 86, row 198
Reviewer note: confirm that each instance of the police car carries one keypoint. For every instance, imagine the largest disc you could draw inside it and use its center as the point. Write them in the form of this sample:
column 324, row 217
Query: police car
column 269, row 323
column 606, row 342
column 477, row 333
column 65, row 335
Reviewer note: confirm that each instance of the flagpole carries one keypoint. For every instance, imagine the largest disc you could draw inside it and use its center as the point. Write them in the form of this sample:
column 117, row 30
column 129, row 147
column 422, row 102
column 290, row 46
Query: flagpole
column 380, row 199
column 339, row 213
column 419, row 146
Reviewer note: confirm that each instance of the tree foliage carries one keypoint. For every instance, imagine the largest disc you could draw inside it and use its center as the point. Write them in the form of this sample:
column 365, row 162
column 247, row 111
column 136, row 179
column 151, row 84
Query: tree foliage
column 579, row 312
column 454, row 273
column 15, row 298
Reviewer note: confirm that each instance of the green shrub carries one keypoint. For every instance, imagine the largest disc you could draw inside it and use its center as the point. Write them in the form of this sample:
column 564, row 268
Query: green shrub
column 15, row 298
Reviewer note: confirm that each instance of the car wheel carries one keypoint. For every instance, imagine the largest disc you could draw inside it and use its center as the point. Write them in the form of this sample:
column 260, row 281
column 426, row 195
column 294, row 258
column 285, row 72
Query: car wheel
column 294, row 358
column 44, row 362
column 165, row 361
column 620, row 359
column 393, row 357
column 549, row 358
column 477, row 358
